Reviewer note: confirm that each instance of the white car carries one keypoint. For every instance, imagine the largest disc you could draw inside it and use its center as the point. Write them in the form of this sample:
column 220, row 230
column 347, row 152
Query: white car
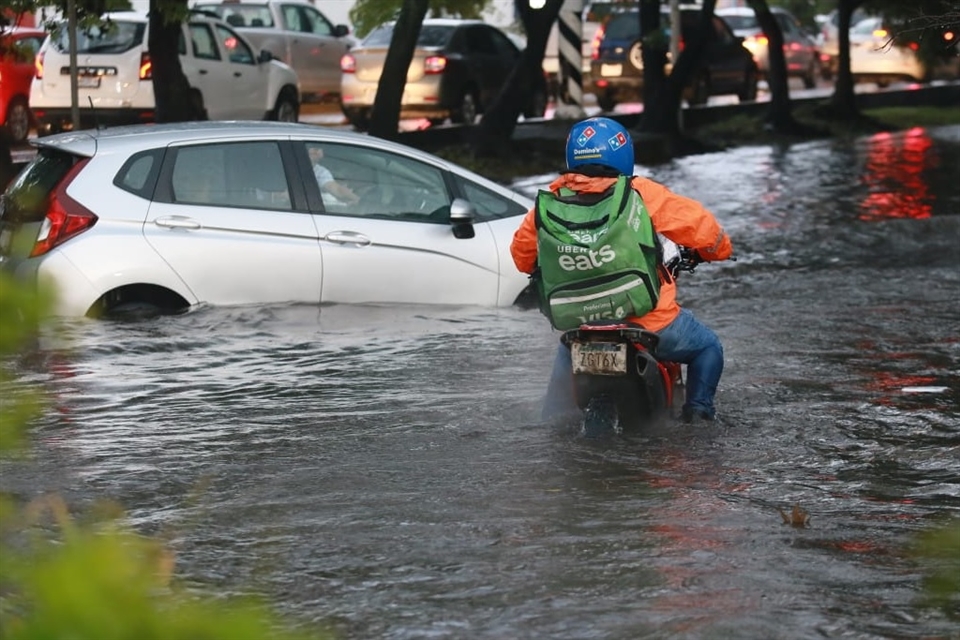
column 169, row 216
column 230, row 78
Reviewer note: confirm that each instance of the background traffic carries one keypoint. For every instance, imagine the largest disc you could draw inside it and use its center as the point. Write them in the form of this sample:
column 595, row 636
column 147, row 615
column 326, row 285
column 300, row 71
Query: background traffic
column 450, row 78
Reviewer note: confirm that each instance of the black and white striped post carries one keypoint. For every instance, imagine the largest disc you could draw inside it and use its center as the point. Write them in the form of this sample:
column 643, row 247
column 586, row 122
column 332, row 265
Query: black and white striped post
column 570, row 42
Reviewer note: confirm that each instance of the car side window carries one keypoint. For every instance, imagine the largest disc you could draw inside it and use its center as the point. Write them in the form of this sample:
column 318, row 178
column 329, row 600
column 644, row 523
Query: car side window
column 236, row 174
column 479, row 41
column 204, row 44
column 489, row 204
column 138, row 175
column 503, row 46
column 237, row 51
column 291, row 16
column 316, row 22
column 723, row 34
column 384, row 185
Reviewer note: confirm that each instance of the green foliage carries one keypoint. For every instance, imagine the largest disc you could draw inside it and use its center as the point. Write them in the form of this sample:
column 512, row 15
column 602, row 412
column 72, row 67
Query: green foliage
column 91, row 580
column 20, row 313
column 366, row 15
column 104, row 582
column 939, row 550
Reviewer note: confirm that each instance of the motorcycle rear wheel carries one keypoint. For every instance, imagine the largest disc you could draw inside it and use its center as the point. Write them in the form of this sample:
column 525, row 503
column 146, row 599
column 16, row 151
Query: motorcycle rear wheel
column 601, row 418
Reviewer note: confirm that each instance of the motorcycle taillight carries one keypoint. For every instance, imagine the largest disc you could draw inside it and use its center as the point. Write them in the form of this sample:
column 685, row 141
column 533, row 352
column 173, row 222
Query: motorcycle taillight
column 65, row 218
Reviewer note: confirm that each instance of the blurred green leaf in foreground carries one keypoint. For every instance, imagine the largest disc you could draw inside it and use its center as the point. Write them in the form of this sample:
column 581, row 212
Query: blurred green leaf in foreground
column 61, row 578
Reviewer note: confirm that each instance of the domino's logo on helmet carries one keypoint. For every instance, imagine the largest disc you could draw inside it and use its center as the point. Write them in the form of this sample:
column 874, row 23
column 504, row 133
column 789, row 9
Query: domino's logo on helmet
column 600, row 141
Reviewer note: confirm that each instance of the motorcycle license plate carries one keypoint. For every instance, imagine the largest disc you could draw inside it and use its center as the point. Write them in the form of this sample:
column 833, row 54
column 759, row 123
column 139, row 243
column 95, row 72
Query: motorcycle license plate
column 599, row 358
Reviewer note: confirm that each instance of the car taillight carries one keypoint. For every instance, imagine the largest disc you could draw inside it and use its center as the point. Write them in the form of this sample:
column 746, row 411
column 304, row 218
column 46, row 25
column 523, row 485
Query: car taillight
column 146, row 67
column 66, row 218
column 595, row 44
column 914, row 46
column 38, row 65
column 348, row 64
column 434, row 64
column 760, row 40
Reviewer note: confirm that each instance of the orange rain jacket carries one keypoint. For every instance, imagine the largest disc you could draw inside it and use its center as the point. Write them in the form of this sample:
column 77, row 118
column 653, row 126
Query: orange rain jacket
column 683, row 220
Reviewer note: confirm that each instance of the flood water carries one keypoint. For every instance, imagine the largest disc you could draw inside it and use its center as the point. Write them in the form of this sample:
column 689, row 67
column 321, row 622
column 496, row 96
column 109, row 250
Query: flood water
column 382, row 470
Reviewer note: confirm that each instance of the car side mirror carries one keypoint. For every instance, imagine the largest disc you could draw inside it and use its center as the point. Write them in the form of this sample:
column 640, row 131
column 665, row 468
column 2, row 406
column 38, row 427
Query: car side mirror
column 341, row 30
column 462, row 215
column 265, row 56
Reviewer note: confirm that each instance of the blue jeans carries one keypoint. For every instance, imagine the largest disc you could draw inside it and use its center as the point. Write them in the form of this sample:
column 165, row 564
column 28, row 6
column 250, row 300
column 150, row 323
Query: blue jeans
column 685, row 340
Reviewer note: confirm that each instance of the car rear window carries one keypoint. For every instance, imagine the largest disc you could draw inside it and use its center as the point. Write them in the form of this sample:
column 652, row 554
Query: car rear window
column 623, row 26
column 741, row 22
column 430, row 36
column 25, row 200
column 115, row 37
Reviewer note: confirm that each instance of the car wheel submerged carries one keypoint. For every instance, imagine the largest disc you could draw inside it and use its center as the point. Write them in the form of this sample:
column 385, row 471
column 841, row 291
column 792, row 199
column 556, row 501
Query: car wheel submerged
column 18, row 120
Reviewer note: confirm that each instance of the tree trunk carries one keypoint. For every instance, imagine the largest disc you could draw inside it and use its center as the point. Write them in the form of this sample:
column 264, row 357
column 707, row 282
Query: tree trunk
column 174, row 99
column 500, row 120
column 660, row 113
column 843, row 104
column 655, row 48
column 779, row 116
column 385, row 115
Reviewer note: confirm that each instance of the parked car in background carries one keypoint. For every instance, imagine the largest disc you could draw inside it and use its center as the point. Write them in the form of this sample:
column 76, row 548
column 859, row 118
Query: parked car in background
column 18, row 46
column 296, row 32
column 877, row 56
column 829, row 41
column 164, row 217
column 230, row 79
column 616, row 69
column 458, row 69
column 799, row 48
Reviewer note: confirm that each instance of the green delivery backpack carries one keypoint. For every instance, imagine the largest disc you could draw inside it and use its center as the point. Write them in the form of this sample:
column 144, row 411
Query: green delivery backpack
column 597, row 257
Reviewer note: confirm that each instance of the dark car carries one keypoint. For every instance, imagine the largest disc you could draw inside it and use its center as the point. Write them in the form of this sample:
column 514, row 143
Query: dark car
column 616, row 68
column 458, row 69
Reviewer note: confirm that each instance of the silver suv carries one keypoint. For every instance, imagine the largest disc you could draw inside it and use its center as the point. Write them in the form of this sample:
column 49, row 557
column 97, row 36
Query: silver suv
column 230, row 78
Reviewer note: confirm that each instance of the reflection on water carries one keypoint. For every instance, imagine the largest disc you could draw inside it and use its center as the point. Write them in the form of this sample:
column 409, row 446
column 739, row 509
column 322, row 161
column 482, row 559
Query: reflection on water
column 382, row 468
column 895, row 176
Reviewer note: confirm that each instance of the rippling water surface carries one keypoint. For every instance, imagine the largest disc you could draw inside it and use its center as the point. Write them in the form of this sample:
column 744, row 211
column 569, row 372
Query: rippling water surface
column 382, row 469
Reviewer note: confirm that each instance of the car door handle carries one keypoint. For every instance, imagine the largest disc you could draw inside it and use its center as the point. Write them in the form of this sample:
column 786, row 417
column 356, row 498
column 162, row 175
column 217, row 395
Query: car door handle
column 237, row 74
column 202, row 72
column 177, row 222
column 348, row 237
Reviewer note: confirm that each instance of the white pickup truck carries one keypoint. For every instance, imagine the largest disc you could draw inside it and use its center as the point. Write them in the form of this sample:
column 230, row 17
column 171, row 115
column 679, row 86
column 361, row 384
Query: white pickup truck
column 294, row 31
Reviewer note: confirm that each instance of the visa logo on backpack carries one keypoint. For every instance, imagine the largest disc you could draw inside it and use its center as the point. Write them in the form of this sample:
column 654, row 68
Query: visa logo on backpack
column 587, row 260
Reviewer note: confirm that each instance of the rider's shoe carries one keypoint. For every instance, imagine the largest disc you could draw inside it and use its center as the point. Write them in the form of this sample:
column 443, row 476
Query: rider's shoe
column 693, row 416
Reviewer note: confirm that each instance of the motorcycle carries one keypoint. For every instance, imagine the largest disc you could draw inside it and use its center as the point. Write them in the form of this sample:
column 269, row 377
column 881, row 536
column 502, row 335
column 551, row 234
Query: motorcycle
column 618, row 380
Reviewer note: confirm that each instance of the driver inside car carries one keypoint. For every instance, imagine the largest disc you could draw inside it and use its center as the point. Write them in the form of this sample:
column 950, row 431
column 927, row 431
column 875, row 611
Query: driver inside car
column 332, row 192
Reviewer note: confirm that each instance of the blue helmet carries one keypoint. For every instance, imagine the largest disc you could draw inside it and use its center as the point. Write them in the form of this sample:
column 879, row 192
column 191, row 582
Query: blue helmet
column 600, row 141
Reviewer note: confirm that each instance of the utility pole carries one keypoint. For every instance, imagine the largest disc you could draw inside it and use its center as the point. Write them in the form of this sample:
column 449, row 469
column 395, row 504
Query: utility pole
column 675, row 47
column 74, row 92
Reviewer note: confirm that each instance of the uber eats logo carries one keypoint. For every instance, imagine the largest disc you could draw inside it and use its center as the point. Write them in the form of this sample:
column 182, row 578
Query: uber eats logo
column 574, row 258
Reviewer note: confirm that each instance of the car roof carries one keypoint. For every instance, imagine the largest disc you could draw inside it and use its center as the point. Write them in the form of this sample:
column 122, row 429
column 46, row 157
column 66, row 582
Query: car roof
column 89, row 141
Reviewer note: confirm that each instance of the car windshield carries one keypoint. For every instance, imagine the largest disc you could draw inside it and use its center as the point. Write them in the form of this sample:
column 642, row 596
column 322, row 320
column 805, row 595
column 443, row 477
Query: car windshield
column 431, row 36
column 741, row 22
column 241, row 15
column 114, row 37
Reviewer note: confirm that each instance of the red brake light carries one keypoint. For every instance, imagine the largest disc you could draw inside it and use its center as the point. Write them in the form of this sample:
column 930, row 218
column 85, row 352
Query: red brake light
column 434, row 64
column 66, row 218
column 38, row 65
column 146, row 67
column 595, row 44
column 348, row 64
column 914, row 46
